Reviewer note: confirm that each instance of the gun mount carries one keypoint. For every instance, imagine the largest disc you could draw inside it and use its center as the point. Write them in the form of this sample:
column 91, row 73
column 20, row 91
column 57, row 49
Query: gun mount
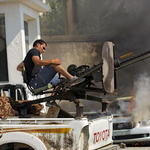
column 104, row 73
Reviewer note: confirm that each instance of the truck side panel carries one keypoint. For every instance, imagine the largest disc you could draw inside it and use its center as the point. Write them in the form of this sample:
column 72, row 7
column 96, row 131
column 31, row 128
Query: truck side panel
column 100, row 133
column 58, row 133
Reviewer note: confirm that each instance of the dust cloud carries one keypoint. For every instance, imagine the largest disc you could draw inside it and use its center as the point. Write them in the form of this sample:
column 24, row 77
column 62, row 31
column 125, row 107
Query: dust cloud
column 141, row 111
column 137, row 106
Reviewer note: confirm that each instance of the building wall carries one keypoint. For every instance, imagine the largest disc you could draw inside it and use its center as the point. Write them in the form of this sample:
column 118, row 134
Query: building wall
column 69, row 52
column 15, row 14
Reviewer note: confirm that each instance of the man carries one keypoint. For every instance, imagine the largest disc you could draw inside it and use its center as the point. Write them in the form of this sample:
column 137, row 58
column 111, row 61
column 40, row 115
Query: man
column 38, row 76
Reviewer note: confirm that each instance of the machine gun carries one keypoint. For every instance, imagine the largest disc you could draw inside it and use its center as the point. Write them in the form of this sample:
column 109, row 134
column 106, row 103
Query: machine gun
column 104, row 73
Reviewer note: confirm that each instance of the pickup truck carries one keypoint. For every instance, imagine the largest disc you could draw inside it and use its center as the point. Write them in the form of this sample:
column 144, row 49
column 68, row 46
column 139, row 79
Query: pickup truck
column 89, row 132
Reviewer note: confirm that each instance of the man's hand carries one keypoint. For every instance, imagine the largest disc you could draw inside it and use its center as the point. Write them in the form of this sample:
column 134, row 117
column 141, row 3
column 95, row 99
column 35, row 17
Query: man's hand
column 56, row 61
column 20, row 66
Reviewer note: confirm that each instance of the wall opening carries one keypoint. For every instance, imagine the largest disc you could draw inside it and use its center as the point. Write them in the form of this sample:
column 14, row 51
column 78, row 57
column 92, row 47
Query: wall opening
column 3, row 52
column 26, row 35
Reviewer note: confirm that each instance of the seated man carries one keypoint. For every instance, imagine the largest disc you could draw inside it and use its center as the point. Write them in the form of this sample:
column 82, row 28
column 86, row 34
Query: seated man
column 38, row 76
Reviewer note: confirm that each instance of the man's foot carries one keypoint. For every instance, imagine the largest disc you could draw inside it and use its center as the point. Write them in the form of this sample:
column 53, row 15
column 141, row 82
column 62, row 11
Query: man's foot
column 77, row 80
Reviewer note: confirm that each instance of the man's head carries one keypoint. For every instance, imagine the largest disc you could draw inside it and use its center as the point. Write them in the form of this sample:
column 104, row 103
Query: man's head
column 40, row 45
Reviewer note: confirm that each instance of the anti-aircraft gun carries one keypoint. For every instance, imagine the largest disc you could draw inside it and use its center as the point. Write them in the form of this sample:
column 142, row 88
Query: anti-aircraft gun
column 104, row 73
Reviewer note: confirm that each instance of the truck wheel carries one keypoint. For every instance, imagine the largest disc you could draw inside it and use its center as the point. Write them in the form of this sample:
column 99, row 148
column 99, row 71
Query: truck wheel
column 15, row 146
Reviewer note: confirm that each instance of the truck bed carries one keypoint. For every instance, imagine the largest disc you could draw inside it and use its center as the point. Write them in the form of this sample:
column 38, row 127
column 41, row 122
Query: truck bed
column 91, row 132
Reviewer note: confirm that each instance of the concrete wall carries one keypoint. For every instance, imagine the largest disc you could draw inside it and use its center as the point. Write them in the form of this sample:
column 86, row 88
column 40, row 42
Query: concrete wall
column 70, row 52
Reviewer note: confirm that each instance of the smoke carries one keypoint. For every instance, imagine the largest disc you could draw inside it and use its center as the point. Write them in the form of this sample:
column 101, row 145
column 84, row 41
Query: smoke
column 119, row 107
column 138, row 104
column 141, row 111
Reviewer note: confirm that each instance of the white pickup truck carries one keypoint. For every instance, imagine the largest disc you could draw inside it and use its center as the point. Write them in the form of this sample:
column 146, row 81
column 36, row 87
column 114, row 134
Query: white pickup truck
column 89, row 132
column 57, row 133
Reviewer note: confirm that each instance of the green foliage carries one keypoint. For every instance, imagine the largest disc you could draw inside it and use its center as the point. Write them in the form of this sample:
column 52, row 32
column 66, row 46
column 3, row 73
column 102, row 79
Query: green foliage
column 93, row 17
column 52, row 23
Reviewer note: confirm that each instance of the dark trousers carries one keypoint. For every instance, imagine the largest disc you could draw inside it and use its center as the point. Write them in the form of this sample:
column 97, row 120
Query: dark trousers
column 45, row 76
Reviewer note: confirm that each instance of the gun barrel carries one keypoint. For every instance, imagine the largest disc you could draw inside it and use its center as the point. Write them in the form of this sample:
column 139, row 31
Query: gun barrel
column 132, row 60
column 127, row 64
column 135, row 57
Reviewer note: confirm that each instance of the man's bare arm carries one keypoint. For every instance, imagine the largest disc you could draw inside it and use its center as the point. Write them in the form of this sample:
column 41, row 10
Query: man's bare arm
column 38, row 62
column 20, row 66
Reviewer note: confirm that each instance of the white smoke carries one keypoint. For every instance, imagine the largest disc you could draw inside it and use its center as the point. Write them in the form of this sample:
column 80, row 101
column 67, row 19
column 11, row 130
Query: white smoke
column 141, row 111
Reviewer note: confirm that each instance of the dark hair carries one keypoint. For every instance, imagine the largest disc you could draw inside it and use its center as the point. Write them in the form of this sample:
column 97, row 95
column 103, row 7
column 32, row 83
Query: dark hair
column 40, row 42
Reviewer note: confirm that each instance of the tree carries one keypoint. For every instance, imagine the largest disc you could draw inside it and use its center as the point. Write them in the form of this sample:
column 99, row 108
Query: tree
column 52, row 23
column 93, row 17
